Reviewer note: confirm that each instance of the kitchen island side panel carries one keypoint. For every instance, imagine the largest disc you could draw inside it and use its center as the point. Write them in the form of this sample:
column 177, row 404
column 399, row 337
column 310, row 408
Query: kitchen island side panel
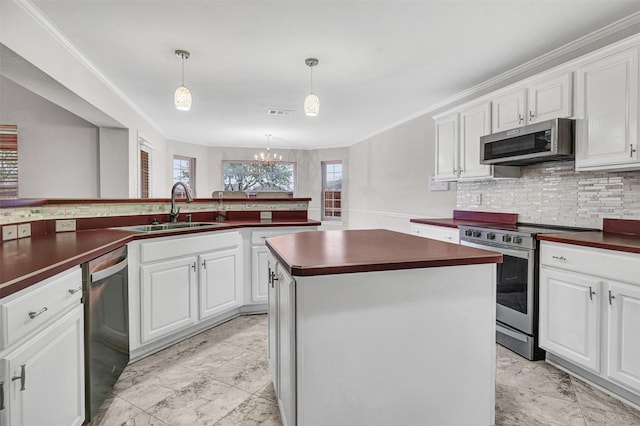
column 406, row 347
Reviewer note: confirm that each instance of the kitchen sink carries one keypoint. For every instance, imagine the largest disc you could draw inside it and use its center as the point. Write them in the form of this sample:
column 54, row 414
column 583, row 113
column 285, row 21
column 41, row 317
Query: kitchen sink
column 169, row 226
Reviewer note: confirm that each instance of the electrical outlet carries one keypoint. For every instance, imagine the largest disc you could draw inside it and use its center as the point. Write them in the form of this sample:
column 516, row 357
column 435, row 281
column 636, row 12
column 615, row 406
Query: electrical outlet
column 476, row 199
column 9, row 232
column 24, row 230
column 265, row 215
column 65, row 225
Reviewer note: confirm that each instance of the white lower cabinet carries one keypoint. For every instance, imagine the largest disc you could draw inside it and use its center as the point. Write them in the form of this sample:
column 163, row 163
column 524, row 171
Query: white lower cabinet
column 590, row 311
column 177, row 283
column 42, row 353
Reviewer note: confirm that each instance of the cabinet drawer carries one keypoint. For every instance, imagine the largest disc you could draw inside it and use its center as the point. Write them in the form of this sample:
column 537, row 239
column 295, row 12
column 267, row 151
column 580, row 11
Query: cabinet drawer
column 592, row 261
column 440, row 233
column 258, row 237
column 36, row 306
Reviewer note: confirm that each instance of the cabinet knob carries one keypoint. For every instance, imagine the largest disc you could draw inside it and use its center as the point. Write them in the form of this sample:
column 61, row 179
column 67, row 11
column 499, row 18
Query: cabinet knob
column 531, row 115
column 591, row 293
column 632, row 150
column 22, row 377
column 520, row 119
column 194, row 266
column 611, row 297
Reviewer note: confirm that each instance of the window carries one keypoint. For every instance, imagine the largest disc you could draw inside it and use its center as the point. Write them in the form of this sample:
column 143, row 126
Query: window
column 145, row 163
column 184, row 170
column 253, row 176
column 8, row 161
column 331, row 190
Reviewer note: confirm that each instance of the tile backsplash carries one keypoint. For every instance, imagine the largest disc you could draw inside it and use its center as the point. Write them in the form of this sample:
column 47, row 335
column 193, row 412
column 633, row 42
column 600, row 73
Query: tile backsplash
column 554, row 193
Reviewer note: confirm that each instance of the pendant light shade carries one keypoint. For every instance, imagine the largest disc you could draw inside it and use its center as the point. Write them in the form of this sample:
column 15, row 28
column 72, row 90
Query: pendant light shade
column 182, row 96
column 311, row 101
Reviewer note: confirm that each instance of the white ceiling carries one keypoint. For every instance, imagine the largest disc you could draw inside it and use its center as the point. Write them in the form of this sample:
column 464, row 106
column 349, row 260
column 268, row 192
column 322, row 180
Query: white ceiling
column 380, row 61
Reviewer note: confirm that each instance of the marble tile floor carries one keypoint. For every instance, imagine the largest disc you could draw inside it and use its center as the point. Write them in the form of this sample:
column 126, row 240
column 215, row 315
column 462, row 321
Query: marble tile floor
column 220, row 377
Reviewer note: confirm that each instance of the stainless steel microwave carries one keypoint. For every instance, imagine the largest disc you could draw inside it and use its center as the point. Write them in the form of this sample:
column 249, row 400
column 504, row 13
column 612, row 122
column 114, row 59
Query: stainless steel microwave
column 551, row 140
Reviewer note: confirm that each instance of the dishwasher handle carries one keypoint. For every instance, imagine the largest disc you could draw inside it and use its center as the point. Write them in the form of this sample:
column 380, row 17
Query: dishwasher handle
column 112, row 270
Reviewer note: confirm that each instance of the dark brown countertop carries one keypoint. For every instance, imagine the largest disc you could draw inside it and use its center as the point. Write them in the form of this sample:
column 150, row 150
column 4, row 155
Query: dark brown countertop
column 27, row 261
column 471, row 218
column 602, row 240
column 339, row 252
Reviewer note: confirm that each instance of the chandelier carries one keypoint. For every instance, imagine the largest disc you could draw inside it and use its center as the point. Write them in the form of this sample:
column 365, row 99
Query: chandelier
column 182, row 95
column 269, row 158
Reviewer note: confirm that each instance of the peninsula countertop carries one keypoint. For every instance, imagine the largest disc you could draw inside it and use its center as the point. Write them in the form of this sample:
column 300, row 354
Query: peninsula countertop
column 339, row 252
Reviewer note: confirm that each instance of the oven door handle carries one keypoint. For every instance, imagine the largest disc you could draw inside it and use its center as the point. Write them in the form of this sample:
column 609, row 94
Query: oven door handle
column 522, row 254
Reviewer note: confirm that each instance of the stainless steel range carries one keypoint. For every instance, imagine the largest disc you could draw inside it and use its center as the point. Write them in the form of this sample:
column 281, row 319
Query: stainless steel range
column 517, row 280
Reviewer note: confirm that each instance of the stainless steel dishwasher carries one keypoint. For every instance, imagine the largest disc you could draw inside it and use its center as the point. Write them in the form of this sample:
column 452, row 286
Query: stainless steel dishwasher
column 106, row 325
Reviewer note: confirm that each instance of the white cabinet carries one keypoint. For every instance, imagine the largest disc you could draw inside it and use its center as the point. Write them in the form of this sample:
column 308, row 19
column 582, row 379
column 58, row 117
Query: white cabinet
column 458, row 145
column 259, row 262
column 45, row 376
column 169, row 297
column 607, row 112
column 286, row 346
column 543, row 98
column 589, row 310
column 624, row 344
column 440, row 233
column 220, row 282
column 177, row 283
column 272, row 316
column 570, row 316
column 42, row 356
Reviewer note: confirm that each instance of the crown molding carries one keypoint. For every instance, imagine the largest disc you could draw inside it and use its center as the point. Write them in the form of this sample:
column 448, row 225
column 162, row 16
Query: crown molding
column 33, row 11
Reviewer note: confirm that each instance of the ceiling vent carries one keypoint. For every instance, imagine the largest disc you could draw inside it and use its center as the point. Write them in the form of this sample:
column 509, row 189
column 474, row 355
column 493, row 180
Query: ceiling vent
column 279, row 112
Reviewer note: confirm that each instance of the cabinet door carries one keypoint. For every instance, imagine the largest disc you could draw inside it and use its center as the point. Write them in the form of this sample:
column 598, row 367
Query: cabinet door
column 508, row 110
column 260, row 275
column 220, row 280
column 607, row 125
column 551, row 98
column 569, row 316
column 447, row 147
column 168, row 297
column 49, row 372
column 474, row 123
column 4, row 394
column 624, row 340
column 272, row 315
column 287, row 346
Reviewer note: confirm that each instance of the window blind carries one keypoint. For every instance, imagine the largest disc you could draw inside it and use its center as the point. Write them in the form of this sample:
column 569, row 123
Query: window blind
column 144, row 174
column 8, row 161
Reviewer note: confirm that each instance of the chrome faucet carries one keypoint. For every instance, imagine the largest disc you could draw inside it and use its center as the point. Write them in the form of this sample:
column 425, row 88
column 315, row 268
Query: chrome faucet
column 173, row 214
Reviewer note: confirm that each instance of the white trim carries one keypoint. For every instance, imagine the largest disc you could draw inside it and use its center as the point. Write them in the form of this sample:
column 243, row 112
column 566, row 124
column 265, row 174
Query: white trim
column 58, row 35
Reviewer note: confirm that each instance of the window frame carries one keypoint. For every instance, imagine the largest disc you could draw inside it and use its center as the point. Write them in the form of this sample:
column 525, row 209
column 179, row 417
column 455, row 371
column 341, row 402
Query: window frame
column 192, row 173
column 146, row 147
column 325, row 190
column 294, row 191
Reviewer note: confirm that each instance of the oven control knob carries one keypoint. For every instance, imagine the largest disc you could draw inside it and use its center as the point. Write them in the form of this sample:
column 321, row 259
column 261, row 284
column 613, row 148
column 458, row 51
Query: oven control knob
column 477, row 234
column 468, row 233
column 506, row 238
column 517, row 240
column 491, row 236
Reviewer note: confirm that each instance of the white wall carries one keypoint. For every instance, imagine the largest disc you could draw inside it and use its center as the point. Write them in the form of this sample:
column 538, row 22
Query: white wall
column 57, row 151
column 114, row 163
column 389, row 175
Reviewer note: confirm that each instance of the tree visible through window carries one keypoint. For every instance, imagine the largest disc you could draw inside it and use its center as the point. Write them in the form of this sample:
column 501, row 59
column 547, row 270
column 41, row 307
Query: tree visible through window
column 254, row 176
column 8, row 161
column 184, row 170
column 331, row 190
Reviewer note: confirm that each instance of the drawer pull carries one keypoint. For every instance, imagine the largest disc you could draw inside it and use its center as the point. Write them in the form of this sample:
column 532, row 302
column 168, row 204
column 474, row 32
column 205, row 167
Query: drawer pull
column 560, row 258
column 1, row 396
column 74, row 290
column 32, row 314
column 22, row 377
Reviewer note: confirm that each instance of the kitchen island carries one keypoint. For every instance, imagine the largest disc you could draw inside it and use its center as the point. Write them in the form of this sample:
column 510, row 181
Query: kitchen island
column 374, row 327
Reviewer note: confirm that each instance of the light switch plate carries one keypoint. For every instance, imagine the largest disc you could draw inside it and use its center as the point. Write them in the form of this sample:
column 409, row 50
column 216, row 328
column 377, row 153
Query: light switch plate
column 476, row 199
column 65, row 225
column 9, row 232
column 24, row 230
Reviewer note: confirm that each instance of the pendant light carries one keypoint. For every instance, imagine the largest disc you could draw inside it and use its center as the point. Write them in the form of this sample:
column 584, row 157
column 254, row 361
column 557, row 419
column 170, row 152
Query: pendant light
column 311, row 101
column 182, row 95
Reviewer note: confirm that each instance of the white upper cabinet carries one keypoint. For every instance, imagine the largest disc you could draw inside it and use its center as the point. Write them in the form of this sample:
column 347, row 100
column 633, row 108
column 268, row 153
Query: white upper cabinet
column 509, row 110
column 607, row 112
column 474, row 123
column 550, row 98
column 447, row 147
column 544, row 98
